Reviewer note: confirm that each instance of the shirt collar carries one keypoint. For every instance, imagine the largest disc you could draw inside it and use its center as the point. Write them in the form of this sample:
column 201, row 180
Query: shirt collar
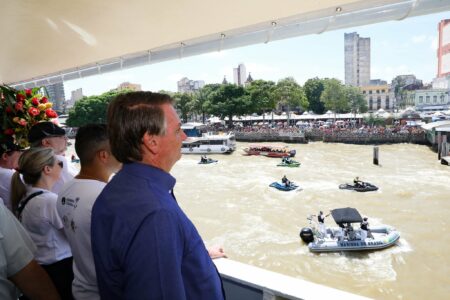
column 158, row 176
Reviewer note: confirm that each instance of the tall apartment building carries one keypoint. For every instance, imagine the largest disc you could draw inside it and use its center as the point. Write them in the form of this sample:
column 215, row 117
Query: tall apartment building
column 357, row 59
column 76, row 95
column 443, row 51
column 185, row 85
column 56, row 95
column 240, row 75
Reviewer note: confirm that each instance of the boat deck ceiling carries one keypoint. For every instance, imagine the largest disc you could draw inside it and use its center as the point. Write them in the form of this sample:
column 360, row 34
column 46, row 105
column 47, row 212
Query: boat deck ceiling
column 51, row 41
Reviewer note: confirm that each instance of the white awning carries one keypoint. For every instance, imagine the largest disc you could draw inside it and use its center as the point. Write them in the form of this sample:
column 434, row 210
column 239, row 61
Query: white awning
column 50, row 41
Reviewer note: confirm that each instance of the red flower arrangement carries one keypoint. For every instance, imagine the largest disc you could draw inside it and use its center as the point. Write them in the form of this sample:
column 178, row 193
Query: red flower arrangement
column 20, row 110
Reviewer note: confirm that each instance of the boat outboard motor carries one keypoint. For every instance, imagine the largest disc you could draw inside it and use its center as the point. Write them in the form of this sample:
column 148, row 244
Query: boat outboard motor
column 307, row 235
column 292, row 153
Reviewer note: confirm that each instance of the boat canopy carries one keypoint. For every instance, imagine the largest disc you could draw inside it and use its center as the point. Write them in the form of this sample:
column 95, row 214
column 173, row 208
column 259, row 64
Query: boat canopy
column 85, row 38
column 346, row 215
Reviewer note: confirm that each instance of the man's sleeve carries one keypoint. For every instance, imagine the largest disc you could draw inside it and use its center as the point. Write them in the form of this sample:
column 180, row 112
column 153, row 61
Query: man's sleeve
column 15, row 241
column 153, row 260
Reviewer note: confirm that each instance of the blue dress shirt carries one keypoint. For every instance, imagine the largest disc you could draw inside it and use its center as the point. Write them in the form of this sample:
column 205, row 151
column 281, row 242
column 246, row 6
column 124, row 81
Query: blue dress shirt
column 144, row 245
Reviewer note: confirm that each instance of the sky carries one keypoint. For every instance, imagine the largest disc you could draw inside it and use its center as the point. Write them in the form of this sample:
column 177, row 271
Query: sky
column 397, row 47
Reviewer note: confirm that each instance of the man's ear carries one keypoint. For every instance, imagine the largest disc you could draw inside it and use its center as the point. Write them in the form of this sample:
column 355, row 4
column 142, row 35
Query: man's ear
column 45, row 143
column 150, row 142
column 103, row 155
column 4, row 156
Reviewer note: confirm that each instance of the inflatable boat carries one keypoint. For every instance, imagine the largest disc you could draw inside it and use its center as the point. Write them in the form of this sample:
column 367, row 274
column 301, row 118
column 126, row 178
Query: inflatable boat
column 289, row 164
column 345, row 238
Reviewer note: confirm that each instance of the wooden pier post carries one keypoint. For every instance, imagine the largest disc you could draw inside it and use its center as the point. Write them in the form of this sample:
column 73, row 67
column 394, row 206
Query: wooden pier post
column 439, row 145
column 375, row 155
column 444, row 147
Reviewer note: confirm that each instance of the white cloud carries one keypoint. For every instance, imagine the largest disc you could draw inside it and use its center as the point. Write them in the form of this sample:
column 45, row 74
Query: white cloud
column 388, row 73
column 418, row 39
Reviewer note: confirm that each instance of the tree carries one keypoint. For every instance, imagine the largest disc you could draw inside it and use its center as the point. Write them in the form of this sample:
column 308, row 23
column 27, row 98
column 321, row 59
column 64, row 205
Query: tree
column 202, row 100
column 91, row 109
column 356, row 101
column 290, row 94
column 333, row 96
column 183, row 102
column 261, row 95
column 229, row 100
column 313, row 90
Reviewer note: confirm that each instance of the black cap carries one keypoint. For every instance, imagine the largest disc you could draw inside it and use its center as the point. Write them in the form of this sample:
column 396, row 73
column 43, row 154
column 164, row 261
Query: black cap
column 7, row 145
column 44, row 129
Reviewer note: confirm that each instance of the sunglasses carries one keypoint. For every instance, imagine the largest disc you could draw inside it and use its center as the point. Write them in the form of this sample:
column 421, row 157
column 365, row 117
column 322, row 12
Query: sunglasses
column 61, row 164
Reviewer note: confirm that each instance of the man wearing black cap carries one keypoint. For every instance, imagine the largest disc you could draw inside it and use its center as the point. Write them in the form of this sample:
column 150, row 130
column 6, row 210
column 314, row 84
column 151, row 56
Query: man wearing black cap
column 48, row 134
column 9, row 158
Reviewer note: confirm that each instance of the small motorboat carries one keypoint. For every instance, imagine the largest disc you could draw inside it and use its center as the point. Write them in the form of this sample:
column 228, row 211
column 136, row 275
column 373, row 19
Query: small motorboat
column 363, row 187
column 207, row 161
column 344, row 237
column 289, row 163
column 283, row 187
column 270, row 150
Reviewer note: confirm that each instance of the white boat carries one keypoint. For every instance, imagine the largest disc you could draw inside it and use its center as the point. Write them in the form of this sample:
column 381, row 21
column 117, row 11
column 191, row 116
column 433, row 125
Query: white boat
column 200, row 142
column 345, row 238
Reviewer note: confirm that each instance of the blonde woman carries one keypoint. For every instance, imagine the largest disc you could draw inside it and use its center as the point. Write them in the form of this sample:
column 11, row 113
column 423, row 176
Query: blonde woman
column 35, row 207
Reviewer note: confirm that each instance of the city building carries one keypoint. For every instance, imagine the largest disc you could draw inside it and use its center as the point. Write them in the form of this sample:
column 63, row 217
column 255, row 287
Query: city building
column 443, row 51
column 357, row 59
column 185, row 85
column 129, row 86
column 240, row 75
column 249, row 80
column 75, row 96
column 56, row 95
column 224, row 81
column 441, row 82
column 431, row 100
column 379, row 96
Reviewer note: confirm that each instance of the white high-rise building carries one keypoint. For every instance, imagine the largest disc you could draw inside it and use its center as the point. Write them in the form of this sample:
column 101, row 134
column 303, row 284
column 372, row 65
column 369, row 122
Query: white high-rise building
column 240, row 75
column 357, row 59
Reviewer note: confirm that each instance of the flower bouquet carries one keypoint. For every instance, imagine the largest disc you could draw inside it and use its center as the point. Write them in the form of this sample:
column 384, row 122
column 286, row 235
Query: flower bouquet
column 20, row 110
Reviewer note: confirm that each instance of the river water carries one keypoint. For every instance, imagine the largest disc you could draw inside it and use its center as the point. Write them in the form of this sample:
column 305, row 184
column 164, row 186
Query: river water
column 231, row 205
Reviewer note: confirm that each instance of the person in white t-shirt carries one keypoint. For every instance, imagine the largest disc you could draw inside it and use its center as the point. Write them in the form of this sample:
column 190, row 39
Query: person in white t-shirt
column 35, row 207
column 18, row 268
column 50, row 135
column 75, row 203
column 9, row 160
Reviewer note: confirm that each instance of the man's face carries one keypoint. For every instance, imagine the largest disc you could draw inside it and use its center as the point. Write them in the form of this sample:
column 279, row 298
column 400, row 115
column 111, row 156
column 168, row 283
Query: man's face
column 170, row 147
column 58, row 143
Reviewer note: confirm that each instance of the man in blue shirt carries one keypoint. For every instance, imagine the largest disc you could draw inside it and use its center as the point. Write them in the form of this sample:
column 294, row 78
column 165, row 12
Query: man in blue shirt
column 144, row 246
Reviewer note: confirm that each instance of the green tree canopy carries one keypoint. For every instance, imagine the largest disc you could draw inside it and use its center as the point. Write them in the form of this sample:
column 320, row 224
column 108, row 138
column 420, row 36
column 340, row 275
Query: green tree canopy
column 356, row 101
column 288, row 92
column 313, row 90
column 91, row 109
column 183, row 102
column 261, row 95
column 333, row 96
column 229, row 100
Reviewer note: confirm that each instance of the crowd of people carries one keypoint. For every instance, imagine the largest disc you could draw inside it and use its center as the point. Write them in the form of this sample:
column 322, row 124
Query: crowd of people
column 113, row 229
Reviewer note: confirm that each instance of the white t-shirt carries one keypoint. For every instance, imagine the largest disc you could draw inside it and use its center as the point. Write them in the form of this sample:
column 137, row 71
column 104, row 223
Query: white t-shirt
column 68, row 172
column 16, row 251
column 42, row 222
column 5, row 186
column 74, row 205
